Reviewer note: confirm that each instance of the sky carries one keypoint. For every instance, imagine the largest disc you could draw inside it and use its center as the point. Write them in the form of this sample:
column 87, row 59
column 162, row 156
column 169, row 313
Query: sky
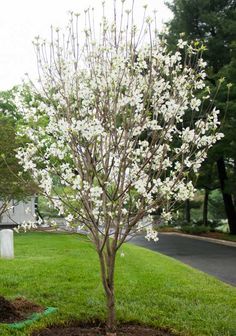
column 22, row 20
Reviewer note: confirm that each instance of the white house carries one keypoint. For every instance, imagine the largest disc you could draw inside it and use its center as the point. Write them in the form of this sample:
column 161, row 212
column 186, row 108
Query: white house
column 19, row 212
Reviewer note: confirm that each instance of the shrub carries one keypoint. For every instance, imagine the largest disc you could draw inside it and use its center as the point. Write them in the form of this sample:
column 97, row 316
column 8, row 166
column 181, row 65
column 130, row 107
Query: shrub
column 196, row 229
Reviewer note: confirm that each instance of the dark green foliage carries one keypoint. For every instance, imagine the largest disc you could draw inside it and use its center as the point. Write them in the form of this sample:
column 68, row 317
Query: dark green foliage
column 210, row 21
column 14, row 182
column 214, row 23
column 216, row 206
column 195, row 229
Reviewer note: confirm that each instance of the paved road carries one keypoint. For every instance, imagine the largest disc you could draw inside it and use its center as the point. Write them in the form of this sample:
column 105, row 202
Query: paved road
column 212, row 258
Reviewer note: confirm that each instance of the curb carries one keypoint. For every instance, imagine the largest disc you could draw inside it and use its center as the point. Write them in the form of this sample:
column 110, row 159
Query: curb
column 211, row 240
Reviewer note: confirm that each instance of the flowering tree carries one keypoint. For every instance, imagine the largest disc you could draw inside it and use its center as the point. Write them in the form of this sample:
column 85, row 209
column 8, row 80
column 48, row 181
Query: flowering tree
column 116, row 122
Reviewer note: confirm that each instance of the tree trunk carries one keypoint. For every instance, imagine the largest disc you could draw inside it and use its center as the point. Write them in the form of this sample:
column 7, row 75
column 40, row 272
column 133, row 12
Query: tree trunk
column 111, row 313
column 107, row 263
column 227, row 197
column 37, row 212
column 205, row 207
column 187, row 211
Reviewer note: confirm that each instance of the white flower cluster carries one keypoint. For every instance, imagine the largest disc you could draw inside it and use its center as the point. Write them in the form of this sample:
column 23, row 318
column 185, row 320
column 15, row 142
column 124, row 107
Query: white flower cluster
column 25, row 226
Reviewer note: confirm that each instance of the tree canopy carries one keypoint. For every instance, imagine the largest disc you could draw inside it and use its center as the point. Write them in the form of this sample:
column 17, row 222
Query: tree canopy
column 15, row 183
column 214, row 23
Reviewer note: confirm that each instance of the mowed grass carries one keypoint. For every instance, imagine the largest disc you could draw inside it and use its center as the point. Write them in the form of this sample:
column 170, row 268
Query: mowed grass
column 61, row 270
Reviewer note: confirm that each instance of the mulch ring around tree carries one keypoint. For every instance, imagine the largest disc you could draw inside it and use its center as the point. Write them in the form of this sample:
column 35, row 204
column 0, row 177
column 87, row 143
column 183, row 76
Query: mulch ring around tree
column 77, row 329
column 17, row 310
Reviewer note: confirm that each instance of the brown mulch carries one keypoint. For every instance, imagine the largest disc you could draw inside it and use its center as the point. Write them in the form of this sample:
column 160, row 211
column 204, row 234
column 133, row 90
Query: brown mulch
column 17, row 310
column 91, row 330
column 216, row 235
column 20, row 309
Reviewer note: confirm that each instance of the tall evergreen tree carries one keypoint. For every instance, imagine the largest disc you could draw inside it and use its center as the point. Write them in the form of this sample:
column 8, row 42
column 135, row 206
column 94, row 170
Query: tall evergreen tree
column 214, row 23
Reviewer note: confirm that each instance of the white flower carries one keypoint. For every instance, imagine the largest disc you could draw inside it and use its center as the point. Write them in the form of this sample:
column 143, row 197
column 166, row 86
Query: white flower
column 181, row 43
column 151, row 234
column 96, row 192
column 195, row 104
column 202, row 63
column 69, row 218
column 166, row 216
column 27, row 210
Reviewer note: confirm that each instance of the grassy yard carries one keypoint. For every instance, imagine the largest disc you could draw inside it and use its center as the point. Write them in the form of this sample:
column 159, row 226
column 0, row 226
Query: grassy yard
column 61, row 270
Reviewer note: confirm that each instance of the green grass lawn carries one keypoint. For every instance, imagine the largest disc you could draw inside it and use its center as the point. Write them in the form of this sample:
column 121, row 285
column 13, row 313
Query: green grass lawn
column 61, row 270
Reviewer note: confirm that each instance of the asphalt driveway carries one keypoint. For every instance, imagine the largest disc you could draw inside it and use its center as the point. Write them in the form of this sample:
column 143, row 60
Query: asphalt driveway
column 212, row 258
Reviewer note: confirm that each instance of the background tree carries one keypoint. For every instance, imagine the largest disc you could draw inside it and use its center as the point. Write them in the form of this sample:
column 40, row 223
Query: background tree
column 87, row 121
column 214, row 22
column 15, row 184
